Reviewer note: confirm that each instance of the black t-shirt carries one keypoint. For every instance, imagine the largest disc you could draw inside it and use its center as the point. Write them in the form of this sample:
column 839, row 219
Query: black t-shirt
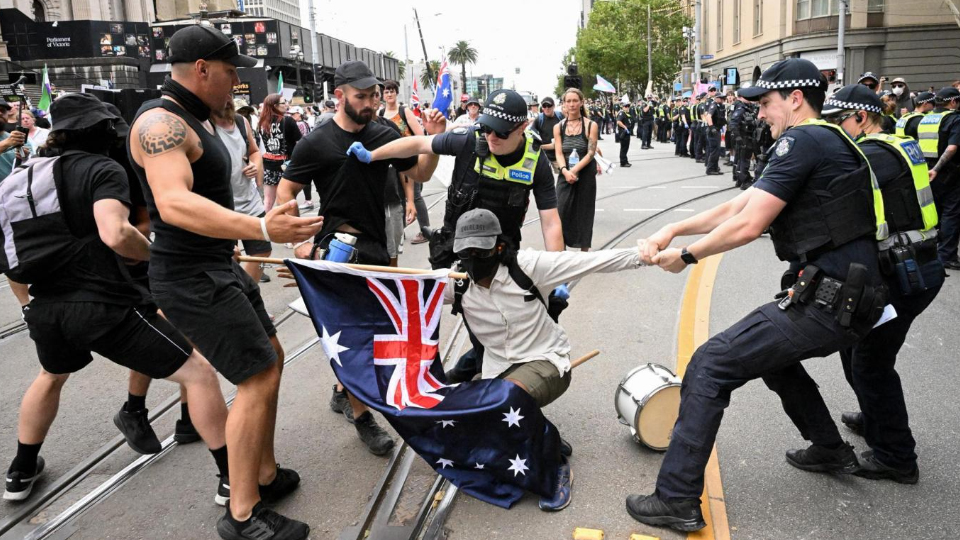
column 648, row 114
column 393, row 186
column 351, row 192
column 545, row 129
column 93, row 275
column 280, row 140
column 462, row 141
column 810, row 158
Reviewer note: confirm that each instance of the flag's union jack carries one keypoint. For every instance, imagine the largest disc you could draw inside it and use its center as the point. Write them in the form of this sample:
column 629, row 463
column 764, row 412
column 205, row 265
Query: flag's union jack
column 411, row 349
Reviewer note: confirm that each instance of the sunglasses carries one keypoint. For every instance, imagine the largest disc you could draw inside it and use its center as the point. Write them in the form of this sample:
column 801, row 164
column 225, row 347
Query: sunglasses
column 476, row 253
column 547, row 105
column 899, row 85
column 872, row 86
column 839, row 119
column 486, row 130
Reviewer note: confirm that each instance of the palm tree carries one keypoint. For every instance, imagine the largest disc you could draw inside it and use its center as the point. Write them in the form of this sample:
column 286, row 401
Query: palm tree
column 428, row 76
column 460, row 55
column 401, row 65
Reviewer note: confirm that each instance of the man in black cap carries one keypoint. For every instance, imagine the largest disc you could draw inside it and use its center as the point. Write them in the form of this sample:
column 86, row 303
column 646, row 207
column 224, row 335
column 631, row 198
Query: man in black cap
column 353, row 196
column 193, row 276
column 715, row 117
column 871, row 81
column 833, row 304
column 625, row 121
column 698, row 142
column 84, row 299
column 914, row 273
column 681, row 129
column 543, row 124
column 907, row 124
column 648, row 112
column 939, row 137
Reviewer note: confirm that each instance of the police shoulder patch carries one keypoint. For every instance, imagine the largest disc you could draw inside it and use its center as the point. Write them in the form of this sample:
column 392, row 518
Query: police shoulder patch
column 460, row 130
column 783, row 146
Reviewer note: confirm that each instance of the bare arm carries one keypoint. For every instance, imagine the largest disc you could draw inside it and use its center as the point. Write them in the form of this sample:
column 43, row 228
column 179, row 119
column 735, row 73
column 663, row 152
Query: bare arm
column 253, row 154
column 113, row 224
column 287, row 191
column 552, row 230
column 701, row 223
column 743, row 227
column 944, row 159
column 403, row 148
column 423, row 171
column 557, row 150
column 413, row 122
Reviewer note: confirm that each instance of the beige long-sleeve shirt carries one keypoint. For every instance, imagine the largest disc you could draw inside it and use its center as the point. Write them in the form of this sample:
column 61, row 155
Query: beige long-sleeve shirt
column 514, row 329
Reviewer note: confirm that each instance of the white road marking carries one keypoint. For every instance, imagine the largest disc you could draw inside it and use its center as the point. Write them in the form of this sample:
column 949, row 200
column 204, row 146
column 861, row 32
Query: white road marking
column 643, row 209
column 699, row 187
column 657, row 187
column 684, row 210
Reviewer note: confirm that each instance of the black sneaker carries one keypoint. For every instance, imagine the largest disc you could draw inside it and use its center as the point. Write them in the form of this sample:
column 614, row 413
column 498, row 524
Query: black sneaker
column 263, row 523
column 817, row 458
column 185, row 433
column 283, row 484
column 853, row 421
column 565, row 449
column 339, row 403
column 18, row 485
column 222, row 497
column 872, row 469
column 136, row 428
column 682, row 515
column 377, row 440
column 264, row 278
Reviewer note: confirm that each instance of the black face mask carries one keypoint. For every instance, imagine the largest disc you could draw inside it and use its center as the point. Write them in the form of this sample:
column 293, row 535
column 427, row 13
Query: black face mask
column 480, row 268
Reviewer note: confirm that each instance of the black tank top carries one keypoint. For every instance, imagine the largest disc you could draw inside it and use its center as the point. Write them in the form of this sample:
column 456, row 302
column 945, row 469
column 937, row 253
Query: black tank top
column 177, row 253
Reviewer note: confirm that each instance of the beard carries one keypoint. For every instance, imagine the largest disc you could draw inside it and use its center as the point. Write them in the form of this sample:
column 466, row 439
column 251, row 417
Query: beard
column 362, row 117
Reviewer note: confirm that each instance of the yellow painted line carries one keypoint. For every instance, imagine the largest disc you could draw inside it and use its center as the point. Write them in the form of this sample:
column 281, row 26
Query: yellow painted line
column 694, row 331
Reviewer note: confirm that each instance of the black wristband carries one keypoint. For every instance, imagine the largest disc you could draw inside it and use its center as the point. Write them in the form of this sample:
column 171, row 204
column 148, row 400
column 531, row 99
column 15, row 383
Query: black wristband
column 687, row 257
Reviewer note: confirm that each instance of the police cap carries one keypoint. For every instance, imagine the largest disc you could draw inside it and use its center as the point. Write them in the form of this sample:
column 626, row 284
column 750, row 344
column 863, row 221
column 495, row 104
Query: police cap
column 925, row 97
column 789, row 74
column 853, row 97
column 503, row 111
column 868, row 75
column 947, row 93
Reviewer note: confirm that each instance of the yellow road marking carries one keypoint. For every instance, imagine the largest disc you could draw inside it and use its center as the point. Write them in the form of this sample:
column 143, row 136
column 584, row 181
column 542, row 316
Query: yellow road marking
column 694, row 331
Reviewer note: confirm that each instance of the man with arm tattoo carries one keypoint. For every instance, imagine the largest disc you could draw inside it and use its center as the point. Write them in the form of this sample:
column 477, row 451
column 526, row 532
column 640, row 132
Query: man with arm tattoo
column 939, row 134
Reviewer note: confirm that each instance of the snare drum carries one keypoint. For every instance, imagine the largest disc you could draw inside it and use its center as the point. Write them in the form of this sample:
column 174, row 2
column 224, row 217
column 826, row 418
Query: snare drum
column 648, row 401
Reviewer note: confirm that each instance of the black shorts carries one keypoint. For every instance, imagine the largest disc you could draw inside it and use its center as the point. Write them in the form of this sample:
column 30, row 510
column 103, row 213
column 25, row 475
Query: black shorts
column 256, row 247
column 222, row 313
column 135, row 337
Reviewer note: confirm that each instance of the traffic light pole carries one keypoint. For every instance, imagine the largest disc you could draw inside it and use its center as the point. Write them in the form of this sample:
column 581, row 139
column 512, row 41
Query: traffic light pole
column 697, row 29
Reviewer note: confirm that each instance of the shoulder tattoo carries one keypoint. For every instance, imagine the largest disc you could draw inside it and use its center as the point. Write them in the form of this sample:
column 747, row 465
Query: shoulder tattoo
column 161, row 133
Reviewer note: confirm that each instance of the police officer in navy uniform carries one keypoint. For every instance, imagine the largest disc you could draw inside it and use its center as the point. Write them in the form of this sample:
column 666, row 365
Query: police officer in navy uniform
column 908, row 259
column 681, row 128
column 695, row 111
column 625, row 121
column 939, row 137
column 833, row 303
column 715, row 118
column 907, row 124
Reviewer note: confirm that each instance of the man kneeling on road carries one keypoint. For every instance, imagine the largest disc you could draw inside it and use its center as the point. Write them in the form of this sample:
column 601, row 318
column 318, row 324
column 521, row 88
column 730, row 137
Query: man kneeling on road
column 508, row 300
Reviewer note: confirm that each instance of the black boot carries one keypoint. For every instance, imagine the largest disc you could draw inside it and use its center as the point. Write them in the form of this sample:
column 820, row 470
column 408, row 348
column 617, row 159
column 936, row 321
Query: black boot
column 816, row 458
column 682, row 515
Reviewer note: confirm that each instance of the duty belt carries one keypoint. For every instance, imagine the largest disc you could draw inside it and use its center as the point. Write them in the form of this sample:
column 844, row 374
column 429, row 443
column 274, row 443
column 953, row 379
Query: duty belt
column 843, row 298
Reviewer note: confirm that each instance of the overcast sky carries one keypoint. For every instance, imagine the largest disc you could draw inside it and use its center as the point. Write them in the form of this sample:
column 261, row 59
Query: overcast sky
column 532, row 35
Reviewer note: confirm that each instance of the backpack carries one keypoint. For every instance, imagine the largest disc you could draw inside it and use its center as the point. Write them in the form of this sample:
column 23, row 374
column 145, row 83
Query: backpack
column 541, row 118
column 36, row 239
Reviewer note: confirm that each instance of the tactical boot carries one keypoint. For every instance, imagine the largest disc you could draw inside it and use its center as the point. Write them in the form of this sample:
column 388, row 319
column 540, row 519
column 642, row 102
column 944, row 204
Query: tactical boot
column 681, row 515
column 377, row 440
column 816, row 458
column 340, row 403
column 853, row 421
column 874, row 469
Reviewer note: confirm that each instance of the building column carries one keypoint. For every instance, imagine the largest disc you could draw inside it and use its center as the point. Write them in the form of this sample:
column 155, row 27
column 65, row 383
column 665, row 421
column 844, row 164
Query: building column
column 855, row 63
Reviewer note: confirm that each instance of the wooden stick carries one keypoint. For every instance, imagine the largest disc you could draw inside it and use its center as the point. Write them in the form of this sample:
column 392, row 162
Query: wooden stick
column 584, row 358
column 365, row 267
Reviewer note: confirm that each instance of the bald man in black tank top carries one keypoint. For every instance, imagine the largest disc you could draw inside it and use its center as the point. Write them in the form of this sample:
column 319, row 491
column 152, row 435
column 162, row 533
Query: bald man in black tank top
column 185, row 172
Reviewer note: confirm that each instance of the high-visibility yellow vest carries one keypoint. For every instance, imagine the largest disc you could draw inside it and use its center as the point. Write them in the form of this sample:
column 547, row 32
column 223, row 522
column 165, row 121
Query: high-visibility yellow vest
column 520, row 172
column 910, row 151
column 928, row 133
column 900, row 130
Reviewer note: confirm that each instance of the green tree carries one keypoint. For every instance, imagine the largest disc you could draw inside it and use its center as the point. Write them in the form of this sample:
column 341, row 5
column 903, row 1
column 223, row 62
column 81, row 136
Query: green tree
column 428, row 76
column 614, row 43
column 401, row 64
column 460, row 55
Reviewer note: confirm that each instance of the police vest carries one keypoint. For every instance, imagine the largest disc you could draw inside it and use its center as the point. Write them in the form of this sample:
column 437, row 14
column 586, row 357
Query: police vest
column 901, row 127
column 928, row 133
column 908, row 201
column 817, row 221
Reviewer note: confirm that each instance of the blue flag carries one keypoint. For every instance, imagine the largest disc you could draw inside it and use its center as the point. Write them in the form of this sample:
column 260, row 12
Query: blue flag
column 444, row 91
column 381, row 334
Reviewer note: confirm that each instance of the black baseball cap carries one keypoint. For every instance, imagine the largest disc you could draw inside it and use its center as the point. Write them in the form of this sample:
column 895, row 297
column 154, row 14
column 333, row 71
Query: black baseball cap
column 925, row 97
column 853, row 97
column 356, row 74
column 477, row 229
column 202, row 42
column 868, row 75
column 788, row 74
column 547, row 101
column 947, row 93
column 503, row 110
column 79, row 111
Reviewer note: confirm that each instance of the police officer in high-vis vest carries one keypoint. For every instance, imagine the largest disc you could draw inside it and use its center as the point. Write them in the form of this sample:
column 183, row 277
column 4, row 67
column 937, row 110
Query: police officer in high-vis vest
column 825, row 214
column 914, row 274
column 939, row 136
column 907, row 124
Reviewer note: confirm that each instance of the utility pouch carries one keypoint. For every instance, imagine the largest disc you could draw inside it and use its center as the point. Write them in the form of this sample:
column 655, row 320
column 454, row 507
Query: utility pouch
column 441, row 248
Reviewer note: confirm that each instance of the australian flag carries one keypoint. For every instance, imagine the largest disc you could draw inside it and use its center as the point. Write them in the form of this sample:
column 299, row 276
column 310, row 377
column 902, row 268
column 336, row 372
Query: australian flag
column 444, row 91
column 380, row 332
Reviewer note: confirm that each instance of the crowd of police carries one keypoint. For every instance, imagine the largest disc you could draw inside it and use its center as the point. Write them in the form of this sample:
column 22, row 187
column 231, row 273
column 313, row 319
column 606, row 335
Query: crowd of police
column 867, row 220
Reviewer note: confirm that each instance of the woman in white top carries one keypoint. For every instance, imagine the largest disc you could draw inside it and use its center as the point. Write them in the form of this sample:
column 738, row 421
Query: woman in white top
column 37, row 137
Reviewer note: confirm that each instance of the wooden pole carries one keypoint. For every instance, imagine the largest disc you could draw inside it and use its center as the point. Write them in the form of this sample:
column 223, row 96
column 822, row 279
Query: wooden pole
column 364, row 267
column 584, row 358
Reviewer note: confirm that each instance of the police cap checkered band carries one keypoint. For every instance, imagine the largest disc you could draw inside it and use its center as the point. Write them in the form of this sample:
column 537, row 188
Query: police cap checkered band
column 925, row 97
column 847, row 106
column 789, row 74
column 948, row 93
column 504, row 116
column 853, row 97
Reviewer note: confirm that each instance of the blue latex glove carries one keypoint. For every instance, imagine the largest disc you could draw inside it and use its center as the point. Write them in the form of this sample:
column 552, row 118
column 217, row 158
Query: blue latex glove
column 357, row 149
column 562, row 291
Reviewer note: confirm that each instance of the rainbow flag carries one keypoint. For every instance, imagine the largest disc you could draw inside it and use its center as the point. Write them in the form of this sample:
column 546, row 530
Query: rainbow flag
column 280, row 84
column 46, row 97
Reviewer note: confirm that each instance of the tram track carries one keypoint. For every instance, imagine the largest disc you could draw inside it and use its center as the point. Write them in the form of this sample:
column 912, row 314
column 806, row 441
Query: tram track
column 434, row 510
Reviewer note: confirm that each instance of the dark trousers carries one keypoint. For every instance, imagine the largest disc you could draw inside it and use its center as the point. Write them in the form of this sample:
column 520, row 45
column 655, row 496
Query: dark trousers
column 646, row 132
column 744, row 155
column 624, row 146
column 947, row 198
column 702, row 141
column 694, row 139
column 869, row 368
column 680, row 134
column 768, row 343
column 713, row 149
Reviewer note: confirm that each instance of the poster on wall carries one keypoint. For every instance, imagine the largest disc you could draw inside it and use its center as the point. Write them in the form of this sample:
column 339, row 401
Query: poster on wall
column 130, row 40
column 106, row 50
column 106, row 39
column 158, row 32
column 271, row 37
column 226, row 29
column 116, row 28
column 260, row 27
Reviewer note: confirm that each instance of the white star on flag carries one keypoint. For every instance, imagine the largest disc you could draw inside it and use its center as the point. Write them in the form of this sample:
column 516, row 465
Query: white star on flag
column 332, row 347
column 478, row 466
column 444, row 463
column 512, row 418
column 446, row 92
column 447, row 423
column 518, row 466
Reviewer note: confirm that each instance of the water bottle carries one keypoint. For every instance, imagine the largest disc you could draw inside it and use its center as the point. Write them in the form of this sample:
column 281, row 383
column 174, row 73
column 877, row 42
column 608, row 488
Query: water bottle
column 573, row 159
column 341, row 248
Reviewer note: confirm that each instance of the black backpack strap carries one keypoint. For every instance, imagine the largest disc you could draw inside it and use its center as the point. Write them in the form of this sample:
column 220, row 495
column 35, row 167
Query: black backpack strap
column 460, row 287
column 522, row 279
column 242, row 126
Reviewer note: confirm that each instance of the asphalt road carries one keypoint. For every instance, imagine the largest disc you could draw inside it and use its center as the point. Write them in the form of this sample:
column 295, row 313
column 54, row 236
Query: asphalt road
column 632, row 317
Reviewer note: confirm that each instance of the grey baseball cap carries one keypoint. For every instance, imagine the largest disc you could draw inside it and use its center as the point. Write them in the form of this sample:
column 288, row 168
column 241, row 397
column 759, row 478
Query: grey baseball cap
column 477, row 228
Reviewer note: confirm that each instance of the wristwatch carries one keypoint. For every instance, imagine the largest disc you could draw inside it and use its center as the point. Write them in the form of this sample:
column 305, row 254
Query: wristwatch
column 687, row 257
